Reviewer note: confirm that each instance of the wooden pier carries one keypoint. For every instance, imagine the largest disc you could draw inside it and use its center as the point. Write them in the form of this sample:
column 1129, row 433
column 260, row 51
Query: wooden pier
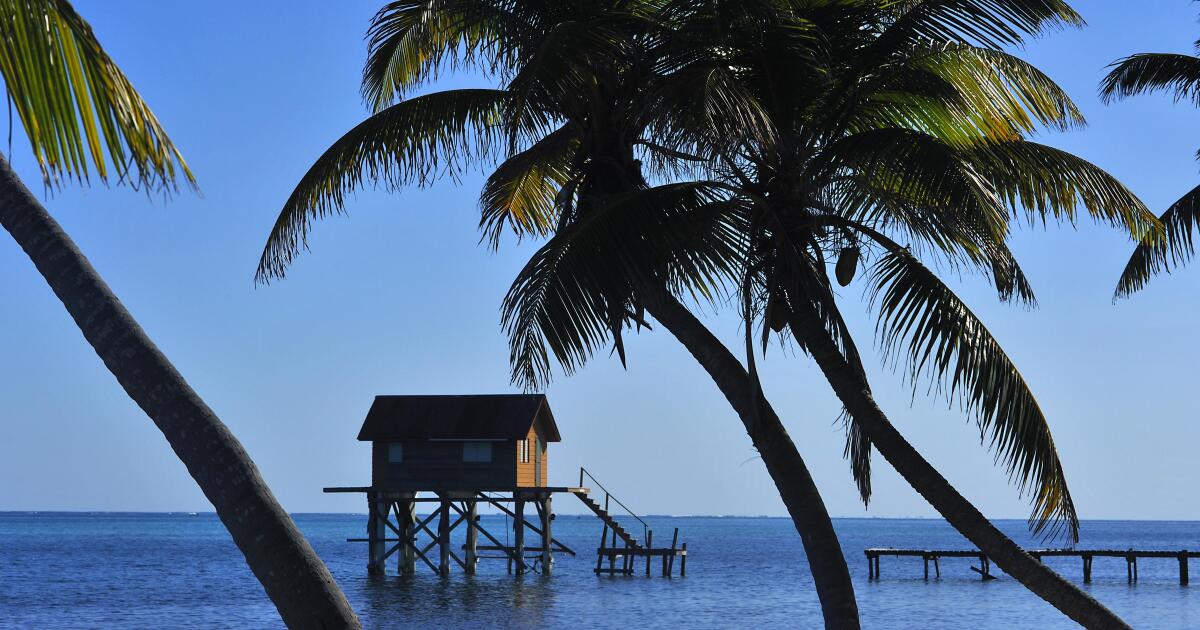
column 934, row 556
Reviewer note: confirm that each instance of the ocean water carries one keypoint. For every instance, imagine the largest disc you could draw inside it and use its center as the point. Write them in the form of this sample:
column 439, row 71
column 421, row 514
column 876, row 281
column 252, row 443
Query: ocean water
column 182, row 571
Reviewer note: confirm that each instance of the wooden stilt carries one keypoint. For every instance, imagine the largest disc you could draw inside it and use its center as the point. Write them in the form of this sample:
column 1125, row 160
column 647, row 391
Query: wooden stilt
column 603, row 541
column 926, row 559
column 519, row 533
column 1183, row 568
column 683, row 560
column 671, row 558
column 444, row 537
column 649, row 545
column 376, row 532
column 547, row 539
column 406, row 512
column 1087, row 569
column 937, row 567
column 612, row 559
column 472, row 551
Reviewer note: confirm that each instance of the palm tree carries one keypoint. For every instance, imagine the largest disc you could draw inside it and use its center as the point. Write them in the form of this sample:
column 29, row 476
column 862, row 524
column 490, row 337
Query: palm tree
column 916, row 131
column 419, row 139
column 1179, row 75
column 581, row 98
column 893, row 122
column 76, row 106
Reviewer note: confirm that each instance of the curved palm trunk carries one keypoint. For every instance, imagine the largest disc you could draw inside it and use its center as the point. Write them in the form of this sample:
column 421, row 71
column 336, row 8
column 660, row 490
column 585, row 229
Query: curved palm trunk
column 855, row 394
column 786, row 467
column 294, row 577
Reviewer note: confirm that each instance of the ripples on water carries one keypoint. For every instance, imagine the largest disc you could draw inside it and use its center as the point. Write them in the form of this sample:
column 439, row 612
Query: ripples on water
column 182, row 571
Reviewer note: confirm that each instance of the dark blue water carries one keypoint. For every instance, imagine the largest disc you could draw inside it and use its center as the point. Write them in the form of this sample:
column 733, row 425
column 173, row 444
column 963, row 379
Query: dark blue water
column 181, row 571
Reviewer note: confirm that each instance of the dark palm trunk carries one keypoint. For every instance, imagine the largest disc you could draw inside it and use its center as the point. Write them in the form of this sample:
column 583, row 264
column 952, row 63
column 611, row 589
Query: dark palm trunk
column 783, row 461
column 294, row 577
column 855, row 394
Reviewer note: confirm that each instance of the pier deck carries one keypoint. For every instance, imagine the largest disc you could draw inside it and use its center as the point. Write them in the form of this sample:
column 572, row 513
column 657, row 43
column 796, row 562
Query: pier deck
column 984, row 570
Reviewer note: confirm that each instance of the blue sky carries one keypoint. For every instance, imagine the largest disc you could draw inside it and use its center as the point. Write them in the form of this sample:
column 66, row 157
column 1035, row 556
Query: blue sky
column 401, row 298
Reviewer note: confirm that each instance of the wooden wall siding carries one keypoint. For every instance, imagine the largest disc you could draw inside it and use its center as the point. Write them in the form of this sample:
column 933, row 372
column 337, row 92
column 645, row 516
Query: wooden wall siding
column 525, row 477
column 544, row 467
column 433, row 465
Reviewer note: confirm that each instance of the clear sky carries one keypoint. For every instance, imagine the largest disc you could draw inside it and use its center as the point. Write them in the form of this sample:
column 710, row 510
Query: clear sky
column 401, row 298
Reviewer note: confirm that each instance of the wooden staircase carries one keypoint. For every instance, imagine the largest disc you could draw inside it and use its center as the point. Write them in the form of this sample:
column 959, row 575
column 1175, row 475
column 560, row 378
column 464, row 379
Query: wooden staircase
column 622, row 548
column 603, row 514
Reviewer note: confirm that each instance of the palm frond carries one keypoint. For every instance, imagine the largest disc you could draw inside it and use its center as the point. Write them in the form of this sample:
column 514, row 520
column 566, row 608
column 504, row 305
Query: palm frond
column 521, row 192
column 75, row 104
column 576, row 291
column 989, row 23
column 1149, row 72
column 413, row 142
column 931, row 176
column 1158, row 253
column 939, row 337
column 410, row 42
column 1051, row 183
column 1000, row 86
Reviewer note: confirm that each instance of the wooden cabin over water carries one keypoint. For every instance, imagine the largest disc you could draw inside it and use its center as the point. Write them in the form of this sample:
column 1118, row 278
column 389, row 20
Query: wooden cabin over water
column 482, row 442
column 468, row 450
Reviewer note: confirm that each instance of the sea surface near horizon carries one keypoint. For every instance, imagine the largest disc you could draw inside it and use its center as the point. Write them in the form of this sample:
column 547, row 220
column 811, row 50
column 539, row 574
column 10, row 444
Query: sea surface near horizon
column 108, row 570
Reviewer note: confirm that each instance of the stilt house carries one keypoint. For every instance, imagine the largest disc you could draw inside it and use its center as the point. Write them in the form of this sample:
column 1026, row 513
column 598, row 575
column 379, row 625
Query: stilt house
column 478, row 442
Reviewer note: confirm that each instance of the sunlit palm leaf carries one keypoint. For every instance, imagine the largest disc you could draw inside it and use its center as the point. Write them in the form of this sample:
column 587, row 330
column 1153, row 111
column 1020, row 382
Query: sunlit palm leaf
column 411, row 40
column 521, row 192
column 75, row 105
column 1046, row 182
column 940, row 338
column 990, row 23
column 413, row 142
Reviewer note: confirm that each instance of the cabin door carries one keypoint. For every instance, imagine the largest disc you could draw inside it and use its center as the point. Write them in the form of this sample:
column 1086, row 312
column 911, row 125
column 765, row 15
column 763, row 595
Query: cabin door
column 537, row 462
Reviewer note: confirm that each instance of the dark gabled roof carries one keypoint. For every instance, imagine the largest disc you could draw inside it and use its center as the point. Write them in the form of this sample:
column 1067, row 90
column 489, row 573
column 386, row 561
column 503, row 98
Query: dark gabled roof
column 481, row 416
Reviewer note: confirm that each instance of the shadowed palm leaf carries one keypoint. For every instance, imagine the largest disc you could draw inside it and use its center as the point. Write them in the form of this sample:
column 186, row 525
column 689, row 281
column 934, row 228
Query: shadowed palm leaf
column 1157, row 253
column 941, row 339
column 414, row 142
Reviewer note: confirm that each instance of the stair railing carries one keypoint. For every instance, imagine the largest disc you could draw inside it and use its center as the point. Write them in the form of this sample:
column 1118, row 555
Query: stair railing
column 646, row 531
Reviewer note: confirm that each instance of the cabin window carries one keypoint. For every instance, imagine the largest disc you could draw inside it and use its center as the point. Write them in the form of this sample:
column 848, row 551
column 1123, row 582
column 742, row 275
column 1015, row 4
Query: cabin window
column 395, row 453
column 524, row 446
column 479, row 452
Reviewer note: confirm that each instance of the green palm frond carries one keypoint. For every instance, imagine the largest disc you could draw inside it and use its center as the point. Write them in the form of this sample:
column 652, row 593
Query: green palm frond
column 1161, row 253
column 1047, row 182
column 410, row 42
column 989, row 23
column 75, row 104
column 927, row 173
column 413, row 142
column 1148, row 72
column 940, row 338
column 521, row 193
column 999, row 87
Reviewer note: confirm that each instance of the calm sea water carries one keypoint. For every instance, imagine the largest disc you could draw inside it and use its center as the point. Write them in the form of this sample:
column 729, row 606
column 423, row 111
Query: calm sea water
column 182, row 571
